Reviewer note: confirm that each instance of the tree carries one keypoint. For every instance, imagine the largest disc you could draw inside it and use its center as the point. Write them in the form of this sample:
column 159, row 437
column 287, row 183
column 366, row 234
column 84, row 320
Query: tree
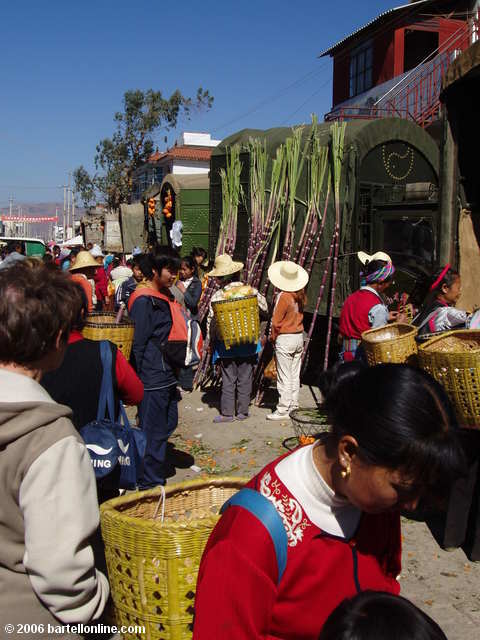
column 117, row 158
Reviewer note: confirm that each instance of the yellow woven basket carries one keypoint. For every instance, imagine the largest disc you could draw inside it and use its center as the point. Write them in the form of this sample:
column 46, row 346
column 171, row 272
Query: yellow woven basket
column 453, row 359
column 153, row 565
column 392, row 343
column 238, row 321
column 102, row 326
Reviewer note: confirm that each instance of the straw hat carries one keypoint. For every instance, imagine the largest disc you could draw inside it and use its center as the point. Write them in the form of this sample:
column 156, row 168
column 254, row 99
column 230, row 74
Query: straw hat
column 225, row 266
column 379, row 255
column 287, row 276
column 84, row 260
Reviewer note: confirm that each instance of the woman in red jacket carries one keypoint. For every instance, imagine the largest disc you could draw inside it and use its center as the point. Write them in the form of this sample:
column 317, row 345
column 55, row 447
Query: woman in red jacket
column 391, row 443
column 366, row 308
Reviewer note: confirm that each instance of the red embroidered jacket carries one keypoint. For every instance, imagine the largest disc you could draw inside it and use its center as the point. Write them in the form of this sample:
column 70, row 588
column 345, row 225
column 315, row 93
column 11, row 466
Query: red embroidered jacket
column 237, row 594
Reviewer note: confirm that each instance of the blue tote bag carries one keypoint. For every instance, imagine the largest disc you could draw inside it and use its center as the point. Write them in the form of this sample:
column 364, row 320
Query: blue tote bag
column 109, row 442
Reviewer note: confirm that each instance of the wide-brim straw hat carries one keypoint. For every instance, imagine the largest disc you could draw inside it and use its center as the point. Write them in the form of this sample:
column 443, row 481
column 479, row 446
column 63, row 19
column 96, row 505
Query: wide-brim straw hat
column 84, row 260
column 379, row 255
column 225, row 266
column 287, row 276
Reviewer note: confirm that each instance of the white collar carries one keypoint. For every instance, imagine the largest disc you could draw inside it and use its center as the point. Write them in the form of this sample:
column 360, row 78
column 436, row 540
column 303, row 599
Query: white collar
column 328, row 511
column 16, row 387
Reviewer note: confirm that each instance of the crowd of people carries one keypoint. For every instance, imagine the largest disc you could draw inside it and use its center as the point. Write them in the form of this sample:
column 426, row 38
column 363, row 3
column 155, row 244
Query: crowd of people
column 394, row 442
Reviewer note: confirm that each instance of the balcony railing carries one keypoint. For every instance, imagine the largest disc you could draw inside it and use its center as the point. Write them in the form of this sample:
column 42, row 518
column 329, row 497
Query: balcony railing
column 417, row 96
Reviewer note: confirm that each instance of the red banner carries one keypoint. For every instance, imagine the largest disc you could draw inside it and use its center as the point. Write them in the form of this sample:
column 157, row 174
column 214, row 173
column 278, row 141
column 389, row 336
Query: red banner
column 29, row 219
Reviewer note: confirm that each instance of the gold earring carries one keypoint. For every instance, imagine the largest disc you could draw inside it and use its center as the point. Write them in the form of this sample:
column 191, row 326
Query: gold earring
column 345, row 472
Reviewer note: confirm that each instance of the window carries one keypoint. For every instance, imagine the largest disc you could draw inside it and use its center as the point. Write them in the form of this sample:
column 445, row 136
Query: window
column 361, row 63
column 158, row 174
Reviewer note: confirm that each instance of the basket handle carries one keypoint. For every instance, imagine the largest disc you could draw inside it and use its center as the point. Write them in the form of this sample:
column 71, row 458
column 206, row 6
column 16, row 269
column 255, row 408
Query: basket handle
column 162, row 500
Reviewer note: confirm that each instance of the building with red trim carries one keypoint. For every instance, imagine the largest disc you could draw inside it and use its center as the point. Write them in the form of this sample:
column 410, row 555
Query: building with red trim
column 189, row 155
column 394, row 65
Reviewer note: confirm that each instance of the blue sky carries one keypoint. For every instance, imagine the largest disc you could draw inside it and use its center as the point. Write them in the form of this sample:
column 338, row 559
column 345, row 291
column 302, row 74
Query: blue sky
column 65, row 66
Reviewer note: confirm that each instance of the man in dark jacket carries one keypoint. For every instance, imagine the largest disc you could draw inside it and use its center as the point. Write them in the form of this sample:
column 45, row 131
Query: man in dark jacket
column 158, row 411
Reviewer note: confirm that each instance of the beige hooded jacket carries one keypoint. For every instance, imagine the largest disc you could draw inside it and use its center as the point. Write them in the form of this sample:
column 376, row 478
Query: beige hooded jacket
column 48, row 511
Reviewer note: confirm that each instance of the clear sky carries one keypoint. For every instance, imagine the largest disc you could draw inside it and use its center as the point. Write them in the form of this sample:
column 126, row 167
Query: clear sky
column 65, row 66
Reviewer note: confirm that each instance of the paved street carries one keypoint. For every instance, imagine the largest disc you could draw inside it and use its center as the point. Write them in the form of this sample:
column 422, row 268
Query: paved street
column 445, row 584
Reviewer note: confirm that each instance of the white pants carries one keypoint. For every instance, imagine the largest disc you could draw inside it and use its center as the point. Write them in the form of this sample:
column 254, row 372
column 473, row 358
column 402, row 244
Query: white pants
column 288, row 356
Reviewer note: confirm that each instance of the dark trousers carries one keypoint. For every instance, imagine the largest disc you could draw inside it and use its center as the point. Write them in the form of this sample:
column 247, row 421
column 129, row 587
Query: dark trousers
column 460, row 526
column 185, row 377
column 237, row 375
column 158, row 415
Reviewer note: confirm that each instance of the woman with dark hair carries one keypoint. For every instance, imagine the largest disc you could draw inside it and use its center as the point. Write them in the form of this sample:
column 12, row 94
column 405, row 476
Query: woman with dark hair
column 392, row 442
column 190, row 285
column 48, row 498
column 77, row 382
column 191, row 288
column 201, row 258
column 152, row 307
column 438, row 312
column 366, row 309
column 373, row 615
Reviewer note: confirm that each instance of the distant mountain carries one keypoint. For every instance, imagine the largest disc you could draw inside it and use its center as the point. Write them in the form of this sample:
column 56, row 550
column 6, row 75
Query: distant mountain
column 41, row 209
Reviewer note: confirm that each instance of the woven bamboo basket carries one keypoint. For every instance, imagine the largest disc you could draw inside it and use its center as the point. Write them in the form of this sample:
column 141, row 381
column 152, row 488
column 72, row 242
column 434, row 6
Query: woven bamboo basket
column 153, row 565
column 392, row 343
column 238, row 321
column 309, row 422
column 102, row 326
column 453, row 359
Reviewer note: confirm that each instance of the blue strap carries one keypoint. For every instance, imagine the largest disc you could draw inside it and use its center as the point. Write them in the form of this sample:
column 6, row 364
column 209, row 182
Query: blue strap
column 263, row 509
column 106, row 400
column 123, row 415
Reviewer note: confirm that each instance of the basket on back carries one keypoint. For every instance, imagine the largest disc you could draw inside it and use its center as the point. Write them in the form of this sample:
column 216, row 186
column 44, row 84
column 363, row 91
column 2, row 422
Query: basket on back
column 153, row 565
column 453, row 359
column 102, row 326
column 237, row 320
column 393, row 343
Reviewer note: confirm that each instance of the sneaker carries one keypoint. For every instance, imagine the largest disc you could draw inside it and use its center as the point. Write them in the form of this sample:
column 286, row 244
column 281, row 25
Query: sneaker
column 276, row 415
column 221, row 418
column 242, row 416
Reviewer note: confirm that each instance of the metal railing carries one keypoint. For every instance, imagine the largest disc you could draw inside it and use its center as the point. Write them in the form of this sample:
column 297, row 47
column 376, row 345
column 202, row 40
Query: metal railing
column 417, row 96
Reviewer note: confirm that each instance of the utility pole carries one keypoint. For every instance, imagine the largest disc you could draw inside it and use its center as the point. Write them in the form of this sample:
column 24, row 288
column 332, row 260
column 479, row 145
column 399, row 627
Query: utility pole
column 10, row 216
column 69, row 196
column 73, row 214
column 64, row 212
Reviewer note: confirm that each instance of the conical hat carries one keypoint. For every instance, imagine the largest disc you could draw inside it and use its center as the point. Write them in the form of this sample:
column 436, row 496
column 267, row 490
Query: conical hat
column 84, row 260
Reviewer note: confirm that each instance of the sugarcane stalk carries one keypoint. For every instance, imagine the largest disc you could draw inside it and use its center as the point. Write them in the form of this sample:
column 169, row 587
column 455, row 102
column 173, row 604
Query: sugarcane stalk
column 319, row 299
column 295, row 155
column 338, row 138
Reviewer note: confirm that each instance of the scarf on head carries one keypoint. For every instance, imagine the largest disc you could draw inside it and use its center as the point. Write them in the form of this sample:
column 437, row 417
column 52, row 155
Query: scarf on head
column 382, row 274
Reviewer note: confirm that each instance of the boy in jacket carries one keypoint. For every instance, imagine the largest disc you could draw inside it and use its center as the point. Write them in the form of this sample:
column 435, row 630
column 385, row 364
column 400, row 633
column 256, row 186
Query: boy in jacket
column 150, row 308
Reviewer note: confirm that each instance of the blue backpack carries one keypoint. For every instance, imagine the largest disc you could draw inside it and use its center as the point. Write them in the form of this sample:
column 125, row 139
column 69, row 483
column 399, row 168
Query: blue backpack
column 109, row 442
column 263, row 509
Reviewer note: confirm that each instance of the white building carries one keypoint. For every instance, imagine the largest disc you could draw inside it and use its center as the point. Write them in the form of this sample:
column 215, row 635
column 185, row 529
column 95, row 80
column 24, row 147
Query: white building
column 189, row 155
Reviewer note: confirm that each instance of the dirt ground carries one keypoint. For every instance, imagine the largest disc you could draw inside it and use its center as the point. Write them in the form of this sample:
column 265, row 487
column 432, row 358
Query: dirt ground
column 444, row 584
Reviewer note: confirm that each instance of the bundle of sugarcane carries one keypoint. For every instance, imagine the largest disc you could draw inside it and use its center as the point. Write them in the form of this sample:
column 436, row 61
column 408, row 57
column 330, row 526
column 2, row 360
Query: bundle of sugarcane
column 315, row 219
column 338, row 139
column 337, row 152
column 295, row 158
column 270, row 228
column 227, row 236
column 257, row 215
